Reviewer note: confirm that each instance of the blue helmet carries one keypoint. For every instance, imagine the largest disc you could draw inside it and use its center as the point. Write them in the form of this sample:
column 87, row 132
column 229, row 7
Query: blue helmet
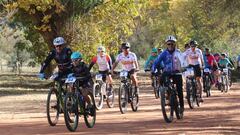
column 59, row 41
column 76, row 55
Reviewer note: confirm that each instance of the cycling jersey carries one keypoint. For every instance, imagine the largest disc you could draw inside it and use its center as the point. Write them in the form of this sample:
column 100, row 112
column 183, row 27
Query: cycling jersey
column 104, row 62
column 63, row 59
column 149, row 62
column 127, row 61
column 194, row 57
column 208, row 60
column 223, row 63
column 172, row 61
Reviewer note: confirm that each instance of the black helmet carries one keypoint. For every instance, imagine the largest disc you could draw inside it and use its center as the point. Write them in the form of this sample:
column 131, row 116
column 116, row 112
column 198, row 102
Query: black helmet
column 193, row 43
column 125, row 45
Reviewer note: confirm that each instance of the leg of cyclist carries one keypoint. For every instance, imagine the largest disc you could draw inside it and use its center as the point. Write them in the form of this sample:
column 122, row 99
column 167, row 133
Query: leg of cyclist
column 133, row 76
column 179, row 83
column 109, row 80
column 198, row 74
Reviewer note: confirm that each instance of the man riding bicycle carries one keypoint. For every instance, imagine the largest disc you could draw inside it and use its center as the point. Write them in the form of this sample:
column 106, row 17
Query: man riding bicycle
column 104, row 62
column 129, row 63
column 210, row 62
column 62, row 55
column 172, row 61
column 195, row 60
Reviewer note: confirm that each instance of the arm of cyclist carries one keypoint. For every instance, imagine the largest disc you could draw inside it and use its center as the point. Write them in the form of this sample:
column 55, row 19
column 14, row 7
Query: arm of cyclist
column 45, row 64
column 94, row 60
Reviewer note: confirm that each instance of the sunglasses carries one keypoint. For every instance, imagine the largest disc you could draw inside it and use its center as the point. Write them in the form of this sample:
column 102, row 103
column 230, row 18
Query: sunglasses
column 58, row 46
column 74, row 60
column 170, row 44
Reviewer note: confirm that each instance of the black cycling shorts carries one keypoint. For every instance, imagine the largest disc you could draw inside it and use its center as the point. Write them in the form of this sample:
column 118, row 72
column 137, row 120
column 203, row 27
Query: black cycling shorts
column 197, row 70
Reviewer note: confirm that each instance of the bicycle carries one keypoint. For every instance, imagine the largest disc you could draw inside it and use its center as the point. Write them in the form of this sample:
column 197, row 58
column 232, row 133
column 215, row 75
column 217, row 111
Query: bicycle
column 100, row 89
column 223, row 83
column 155, row 82
column 168, row 92
column 191, row 88
column 207, row 81
column 55, row 101
column 76, row 104
column 126, row 94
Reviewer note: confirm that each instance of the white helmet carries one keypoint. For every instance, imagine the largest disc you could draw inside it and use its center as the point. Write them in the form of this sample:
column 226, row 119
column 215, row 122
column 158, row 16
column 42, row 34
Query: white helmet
column 58, row 41
column 171, row 38
column 101, row 49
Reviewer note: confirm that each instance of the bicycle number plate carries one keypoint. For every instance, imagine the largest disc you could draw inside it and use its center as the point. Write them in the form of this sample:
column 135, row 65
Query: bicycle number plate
column 70, row 80
column 206, row 70
column 53, row 76
column 189, row 72
column 123, row 74
column 225, row 70
column 98, row 77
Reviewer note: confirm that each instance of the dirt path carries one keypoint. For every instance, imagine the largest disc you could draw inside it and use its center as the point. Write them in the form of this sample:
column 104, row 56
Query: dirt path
column 220, row 114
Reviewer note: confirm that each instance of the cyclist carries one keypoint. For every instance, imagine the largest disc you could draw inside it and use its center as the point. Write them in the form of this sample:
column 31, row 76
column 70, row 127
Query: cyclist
column 61, row 54
column 224, row 62
column 80, row 69
column 210, row 62
column 195, row 60
column 129, row 63
column 172, row 61
column 217, row 57
column 159, row 50
column 150, row 60
column 104, row 62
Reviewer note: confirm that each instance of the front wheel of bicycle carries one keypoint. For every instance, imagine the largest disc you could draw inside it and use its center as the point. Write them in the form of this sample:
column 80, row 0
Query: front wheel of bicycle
column 110, row 98
column 123, row 98
column 53, row 107
column 71, row 115
column 167, row 110
column 98, row 96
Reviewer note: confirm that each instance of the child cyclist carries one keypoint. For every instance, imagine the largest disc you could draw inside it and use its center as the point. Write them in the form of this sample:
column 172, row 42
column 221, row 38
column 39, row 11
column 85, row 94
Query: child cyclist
column 80, row 69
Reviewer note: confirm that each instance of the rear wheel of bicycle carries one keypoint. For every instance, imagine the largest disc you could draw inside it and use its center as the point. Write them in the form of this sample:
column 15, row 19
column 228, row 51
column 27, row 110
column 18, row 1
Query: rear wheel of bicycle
column 89, row 111
column 71, row 115
column 135, row 100
column 98, row 96
column 167, row 110
column 110, row 98
column 190, row 95
column 53, row 107
column 123, row 98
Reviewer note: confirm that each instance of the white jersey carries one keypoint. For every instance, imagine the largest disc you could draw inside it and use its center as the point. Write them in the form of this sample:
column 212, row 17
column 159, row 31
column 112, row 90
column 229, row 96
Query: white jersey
column 127, row 61
column 103, row 62
column 194, row 57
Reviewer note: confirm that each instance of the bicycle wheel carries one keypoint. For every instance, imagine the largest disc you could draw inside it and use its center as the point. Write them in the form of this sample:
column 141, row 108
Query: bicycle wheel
column 167, row 110
column 190, row 95
column 71, row 115
column 89, row 111
column 123, row 98
column 53, row 107
column 207, row 86
column 110, row 98
column 98, row 96
column 226, row 88
column 155, row 88
column 135, row 100
column 176, row 106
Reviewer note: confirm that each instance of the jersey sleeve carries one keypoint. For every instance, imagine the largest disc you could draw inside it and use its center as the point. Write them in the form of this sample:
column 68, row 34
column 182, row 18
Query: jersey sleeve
column 109, row 60
column 94, row 59
column 118, row 59
column 47, row 61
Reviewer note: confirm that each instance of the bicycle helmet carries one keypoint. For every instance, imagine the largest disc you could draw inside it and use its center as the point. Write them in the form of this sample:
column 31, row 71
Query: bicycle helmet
column 126, row 45
column 171, row 38
column 101, row 49
column 76, row 55
column 59, row 41
column 193, row 43
column 154, row 50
